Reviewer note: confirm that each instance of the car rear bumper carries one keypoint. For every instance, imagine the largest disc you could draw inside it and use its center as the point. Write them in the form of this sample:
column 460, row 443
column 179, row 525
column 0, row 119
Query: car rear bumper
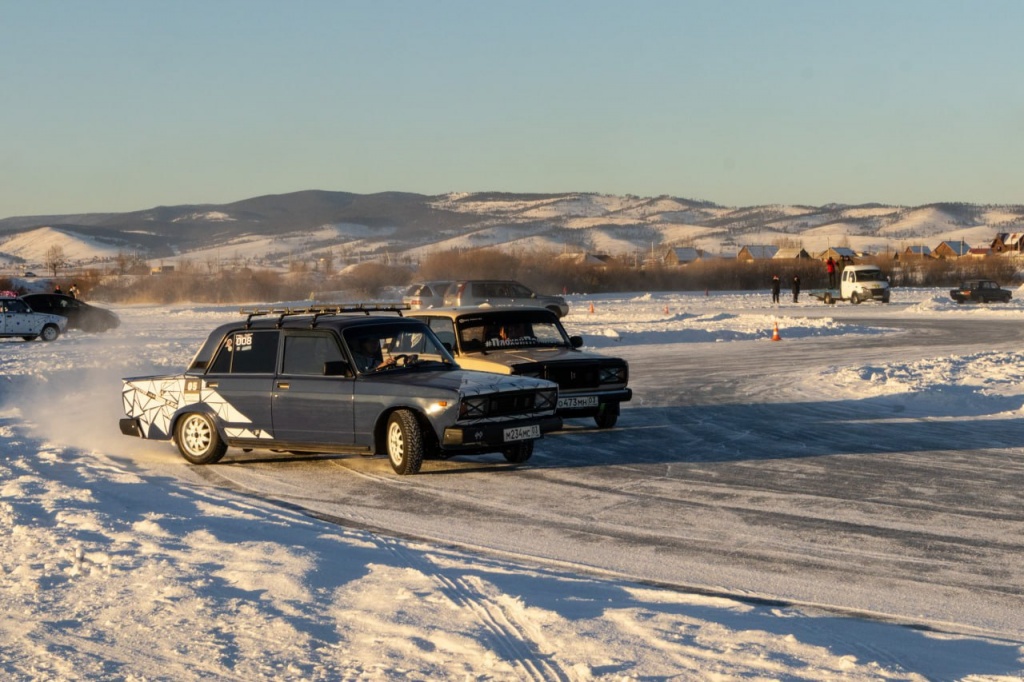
column 130, row 427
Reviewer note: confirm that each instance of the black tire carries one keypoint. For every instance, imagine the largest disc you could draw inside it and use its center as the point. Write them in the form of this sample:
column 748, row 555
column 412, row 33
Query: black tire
column 50, row 333
column 404, row 441
column 855, row 298
column 197, row 439
column 519, row 453
column 606, row 420
column 827, row 298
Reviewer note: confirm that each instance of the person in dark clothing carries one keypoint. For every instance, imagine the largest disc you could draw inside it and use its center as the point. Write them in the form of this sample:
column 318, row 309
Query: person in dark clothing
column 776, row 288
column 830, row 266
column 796, row 288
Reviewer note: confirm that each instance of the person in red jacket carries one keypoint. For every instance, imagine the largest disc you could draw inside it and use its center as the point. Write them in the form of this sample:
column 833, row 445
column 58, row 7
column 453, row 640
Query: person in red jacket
column 830, row 266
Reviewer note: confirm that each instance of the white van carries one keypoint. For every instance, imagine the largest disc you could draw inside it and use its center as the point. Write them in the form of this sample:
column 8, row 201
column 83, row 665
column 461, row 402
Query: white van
column 864, row 283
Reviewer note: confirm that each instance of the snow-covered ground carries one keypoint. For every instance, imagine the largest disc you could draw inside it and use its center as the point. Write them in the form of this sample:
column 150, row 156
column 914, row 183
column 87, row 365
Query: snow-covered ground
column 114, row 564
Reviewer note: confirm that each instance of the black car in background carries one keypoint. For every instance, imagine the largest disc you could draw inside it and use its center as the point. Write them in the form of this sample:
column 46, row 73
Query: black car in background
column 80, row 314
column 980, row 291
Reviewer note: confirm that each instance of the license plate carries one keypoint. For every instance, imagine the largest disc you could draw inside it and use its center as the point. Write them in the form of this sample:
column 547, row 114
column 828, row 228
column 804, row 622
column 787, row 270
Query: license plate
column 572, row 402
column 522, row 433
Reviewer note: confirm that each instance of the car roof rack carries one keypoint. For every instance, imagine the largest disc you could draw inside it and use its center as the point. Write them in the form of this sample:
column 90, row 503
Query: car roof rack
column 321, row 310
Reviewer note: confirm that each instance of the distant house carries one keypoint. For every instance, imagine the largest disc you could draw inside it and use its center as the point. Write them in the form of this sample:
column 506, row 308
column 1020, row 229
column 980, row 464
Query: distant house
column 1008, row 241
column 794, row 253
column 840, row 254
column 707, row 256
column 682, row 255
column 951, row 249
column 752, row 253
column 917, row 251
column 596, row 259
column 979, row 252
column 162, row 270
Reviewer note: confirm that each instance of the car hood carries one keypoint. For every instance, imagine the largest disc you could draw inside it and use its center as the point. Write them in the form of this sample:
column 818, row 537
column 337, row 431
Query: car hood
column 465, row 381
column 509, row 357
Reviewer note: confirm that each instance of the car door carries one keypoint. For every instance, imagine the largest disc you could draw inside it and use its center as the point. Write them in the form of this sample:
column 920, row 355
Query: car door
column 240, row 381
column 19, row 320
column 308, row 406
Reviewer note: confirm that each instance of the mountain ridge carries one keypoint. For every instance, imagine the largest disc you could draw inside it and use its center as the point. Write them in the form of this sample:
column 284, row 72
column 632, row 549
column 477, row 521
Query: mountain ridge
column 275, row 228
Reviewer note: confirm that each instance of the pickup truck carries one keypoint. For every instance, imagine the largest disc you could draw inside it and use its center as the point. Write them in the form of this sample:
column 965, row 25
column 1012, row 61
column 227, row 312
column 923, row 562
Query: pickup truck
column 859, row 283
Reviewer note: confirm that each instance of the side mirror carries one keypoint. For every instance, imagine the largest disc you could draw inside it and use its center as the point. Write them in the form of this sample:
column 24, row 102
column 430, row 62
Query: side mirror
column 337, row 368
column 576, row 341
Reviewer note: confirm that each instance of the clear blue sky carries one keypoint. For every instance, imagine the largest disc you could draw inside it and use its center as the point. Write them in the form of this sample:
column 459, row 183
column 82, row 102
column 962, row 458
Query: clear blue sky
column 118, row 105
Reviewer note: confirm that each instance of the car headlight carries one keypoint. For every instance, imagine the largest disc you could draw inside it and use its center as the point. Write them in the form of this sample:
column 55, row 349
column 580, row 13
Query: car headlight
column 473, row 407
column 612, row 375
column 547, row 399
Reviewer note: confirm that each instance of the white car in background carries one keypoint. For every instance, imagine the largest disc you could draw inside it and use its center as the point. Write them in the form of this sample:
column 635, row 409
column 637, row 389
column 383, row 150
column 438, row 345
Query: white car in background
column 424, row 295
column 18, row 319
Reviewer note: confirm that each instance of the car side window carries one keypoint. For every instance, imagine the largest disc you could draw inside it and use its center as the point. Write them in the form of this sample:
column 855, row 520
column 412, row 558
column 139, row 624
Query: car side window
column 17, row 306
column 519, row 291
column 444, row 329
column 247, row 352
column 307, row 353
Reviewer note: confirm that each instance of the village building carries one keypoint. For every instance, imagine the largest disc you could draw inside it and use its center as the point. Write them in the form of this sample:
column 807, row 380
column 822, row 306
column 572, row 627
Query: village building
column 790, row 253
column 757, row 252
column 842, row 255
column 950, row 249
column 1008, row 242
column 917, row 251
column 683, row 255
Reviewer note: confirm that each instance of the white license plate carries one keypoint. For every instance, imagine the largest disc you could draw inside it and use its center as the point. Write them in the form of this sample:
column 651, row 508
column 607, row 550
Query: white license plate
column 522, row 433
column 572, row 402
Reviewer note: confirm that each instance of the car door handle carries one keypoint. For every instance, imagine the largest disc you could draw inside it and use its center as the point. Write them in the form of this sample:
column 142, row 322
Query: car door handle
column 212, row 384
column 283, row 385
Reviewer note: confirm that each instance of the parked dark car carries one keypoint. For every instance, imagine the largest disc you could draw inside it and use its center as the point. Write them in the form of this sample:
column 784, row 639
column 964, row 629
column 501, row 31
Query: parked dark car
column 488, row 293
column 322, row 380
column 81, row 315
column 980, row 291
column 532, row 342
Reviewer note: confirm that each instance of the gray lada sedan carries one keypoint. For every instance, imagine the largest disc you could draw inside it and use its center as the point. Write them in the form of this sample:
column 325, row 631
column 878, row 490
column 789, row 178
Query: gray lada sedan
column 339, row 379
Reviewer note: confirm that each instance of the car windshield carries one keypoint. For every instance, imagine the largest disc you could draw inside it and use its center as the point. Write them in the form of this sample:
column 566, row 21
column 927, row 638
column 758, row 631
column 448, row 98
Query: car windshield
column 510, row 330
column 869, row 275
column 393, row 347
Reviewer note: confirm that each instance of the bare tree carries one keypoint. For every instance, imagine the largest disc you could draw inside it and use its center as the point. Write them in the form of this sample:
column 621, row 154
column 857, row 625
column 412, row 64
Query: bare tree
column 55, row 259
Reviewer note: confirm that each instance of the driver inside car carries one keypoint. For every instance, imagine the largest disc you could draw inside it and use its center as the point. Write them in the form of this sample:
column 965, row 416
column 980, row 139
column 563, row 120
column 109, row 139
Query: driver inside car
column 368, row 356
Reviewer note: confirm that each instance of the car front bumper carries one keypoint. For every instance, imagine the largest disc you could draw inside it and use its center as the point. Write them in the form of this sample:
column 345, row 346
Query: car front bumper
column 491, row 436
column 589, row 403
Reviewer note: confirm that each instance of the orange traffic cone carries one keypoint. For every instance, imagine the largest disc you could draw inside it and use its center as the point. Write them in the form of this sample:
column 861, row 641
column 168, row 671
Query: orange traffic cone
column 591, row 307
column 775, row 333
column 666, row 309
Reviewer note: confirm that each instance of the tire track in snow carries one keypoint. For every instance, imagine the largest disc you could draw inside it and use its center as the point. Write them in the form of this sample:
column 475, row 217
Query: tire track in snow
column 517, row 640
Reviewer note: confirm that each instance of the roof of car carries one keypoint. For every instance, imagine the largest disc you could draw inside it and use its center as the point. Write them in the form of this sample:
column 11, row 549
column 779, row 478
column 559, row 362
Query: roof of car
column 460, row 311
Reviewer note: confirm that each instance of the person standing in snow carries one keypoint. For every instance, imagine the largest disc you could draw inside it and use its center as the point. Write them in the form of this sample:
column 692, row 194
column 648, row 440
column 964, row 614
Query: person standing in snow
column 796, row 288
column 830, row 266
column 776, row 288
column 73, row 290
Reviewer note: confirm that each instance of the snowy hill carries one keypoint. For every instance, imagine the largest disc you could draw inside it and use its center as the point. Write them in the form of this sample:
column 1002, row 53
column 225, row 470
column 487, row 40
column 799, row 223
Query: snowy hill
column 275, row 229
